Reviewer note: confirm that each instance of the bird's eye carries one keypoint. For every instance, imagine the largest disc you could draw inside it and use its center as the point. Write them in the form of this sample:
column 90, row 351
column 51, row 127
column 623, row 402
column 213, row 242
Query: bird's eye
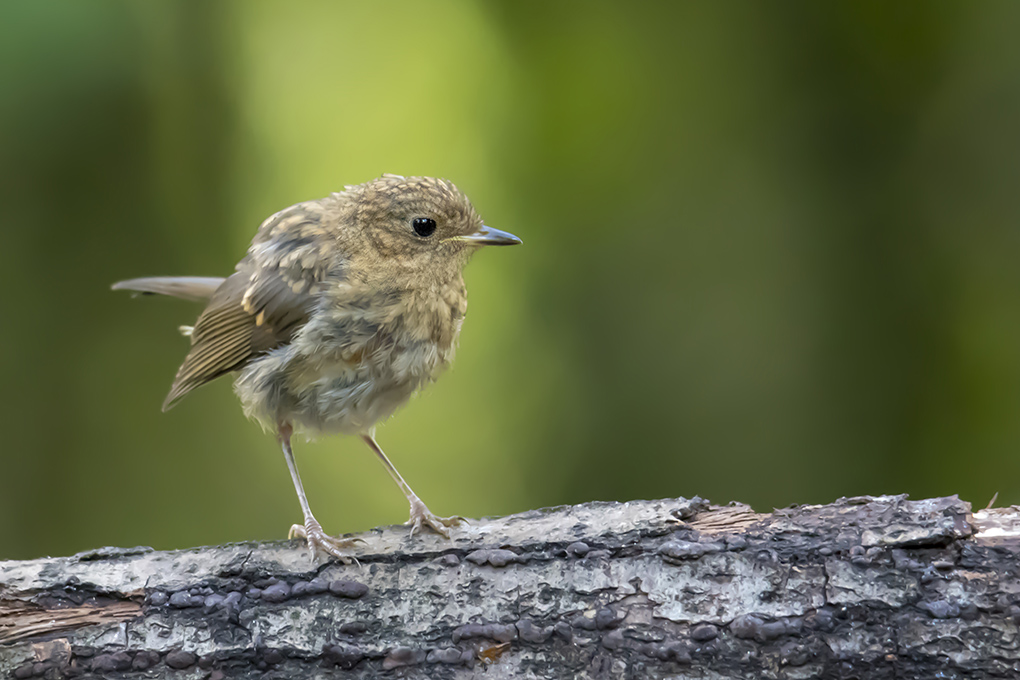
column 423, row 226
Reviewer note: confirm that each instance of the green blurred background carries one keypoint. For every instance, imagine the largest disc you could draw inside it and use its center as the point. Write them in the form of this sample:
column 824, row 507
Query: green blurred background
column 772, row 252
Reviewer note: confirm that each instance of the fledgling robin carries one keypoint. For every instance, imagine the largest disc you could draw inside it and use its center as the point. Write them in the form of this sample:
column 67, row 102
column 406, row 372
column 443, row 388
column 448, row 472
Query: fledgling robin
column 341, row 310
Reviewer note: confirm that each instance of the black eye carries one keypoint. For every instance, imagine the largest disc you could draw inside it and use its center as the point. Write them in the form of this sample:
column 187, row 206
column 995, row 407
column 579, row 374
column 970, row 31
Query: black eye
column 423, row 226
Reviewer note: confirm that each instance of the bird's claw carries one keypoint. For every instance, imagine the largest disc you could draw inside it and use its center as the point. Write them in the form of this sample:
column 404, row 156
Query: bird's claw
column 421, row 516
column 320, row 542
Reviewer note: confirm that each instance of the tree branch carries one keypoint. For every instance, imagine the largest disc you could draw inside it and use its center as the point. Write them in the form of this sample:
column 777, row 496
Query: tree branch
column 862, row 588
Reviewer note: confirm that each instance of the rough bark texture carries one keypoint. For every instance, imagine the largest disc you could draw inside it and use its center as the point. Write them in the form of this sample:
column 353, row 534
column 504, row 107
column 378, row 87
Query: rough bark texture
column 861, row 588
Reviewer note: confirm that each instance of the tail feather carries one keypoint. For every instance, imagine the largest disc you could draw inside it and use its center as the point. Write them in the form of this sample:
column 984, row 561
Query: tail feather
column 197, row 288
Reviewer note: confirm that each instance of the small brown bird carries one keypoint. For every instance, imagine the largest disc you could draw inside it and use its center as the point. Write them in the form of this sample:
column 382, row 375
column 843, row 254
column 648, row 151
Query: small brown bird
column 341, row 310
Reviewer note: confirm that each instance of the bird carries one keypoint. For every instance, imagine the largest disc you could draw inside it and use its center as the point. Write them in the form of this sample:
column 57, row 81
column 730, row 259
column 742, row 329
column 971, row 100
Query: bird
column 341, row 309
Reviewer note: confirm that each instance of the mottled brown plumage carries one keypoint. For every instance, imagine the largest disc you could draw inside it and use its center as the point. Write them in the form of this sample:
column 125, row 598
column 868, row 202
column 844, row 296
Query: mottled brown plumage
column 341, row 309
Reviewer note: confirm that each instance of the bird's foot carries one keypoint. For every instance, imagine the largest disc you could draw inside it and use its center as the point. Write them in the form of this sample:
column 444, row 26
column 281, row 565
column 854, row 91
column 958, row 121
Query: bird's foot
column 422, row 516
column 320, row 542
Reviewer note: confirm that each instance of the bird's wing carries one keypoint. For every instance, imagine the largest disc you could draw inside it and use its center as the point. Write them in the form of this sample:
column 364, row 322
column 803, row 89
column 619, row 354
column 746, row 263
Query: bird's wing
column 264, row 303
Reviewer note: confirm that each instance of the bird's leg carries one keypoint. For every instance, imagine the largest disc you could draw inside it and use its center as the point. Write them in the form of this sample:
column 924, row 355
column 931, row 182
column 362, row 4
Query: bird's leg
column 311, row 531
column 420, row 514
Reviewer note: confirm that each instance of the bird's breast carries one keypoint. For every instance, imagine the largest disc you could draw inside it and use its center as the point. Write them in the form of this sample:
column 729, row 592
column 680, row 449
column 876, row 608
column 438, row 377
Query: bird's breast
column 354, row 363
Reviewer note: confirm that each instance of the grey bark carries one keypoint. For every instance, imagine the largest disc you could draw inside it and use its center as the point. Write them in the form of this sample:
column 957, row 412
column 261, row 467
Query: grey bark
column 862, row 588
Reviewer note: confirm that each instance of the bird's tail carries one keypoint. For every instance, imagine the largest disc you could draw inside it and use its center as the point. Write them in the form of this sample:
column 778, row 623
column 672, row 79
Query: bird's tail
column 198, row 288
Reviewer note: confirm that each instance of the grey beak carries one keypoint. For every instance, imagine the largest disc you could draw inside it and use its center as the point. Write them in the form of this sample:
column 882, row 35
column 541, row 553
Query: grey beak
column 490, row 236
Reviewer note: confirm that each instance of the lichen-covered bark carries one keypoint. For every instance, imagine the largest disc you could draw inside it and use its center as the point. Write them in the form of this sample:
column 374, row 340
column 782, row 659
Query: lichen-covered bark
column 862, row 588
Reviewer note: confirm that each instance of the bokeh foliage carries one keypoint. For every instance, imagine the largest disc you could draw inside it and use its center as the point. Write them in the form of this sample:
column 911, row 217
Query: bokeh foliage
column 772, row 252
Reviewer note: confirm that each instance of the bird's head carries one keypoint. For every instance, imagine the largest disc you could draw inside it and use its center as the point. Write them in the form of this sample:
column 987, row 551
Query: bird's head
column 422, row 227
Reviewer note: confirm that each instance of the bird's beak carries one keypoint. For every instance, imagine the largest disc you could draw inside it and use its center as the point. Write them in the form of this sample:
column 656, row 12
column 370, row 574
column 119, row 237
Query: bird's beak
column 489, row 236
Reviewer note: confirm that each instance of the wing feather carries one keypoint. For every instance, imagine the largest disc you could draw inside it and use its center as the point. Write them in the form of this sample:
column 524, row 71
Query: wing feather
column 265, row 302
